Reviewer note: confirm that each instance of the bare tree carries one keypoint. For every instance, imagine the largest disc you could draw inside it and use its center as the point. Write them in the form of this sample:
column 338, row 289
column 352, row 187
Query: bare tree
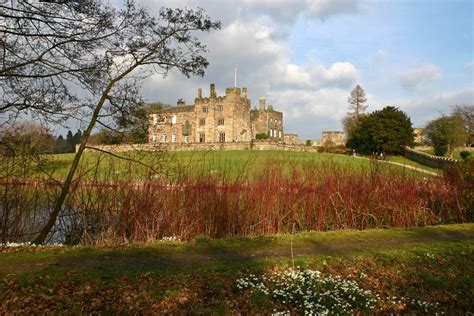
column 357, row 102
column 47, row 55
column 466, row 113
column 100, row 51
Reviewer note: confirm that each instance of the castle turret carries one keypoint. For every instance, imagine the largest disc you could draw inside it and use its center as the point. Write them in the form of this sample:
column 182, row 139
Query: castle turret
column 244, row 92
column 199, row 93
column 262, row 103
column 213, row 91
column 181, row 102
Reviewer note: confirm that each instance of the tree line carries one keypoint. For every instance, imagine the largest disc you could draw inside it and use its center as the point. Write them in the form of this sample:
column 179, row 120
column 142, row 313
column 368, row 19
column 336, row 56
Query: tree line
column 34, row 139
column 390, row 130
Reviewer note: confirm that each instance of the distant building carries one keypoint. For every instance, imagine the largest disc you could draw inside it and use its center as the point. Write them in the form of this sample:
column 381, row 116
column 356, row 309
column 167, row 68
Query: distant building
column 419, row 132
column 215, row 119
column 291, row 139
column 330, row 138
column 267, row 120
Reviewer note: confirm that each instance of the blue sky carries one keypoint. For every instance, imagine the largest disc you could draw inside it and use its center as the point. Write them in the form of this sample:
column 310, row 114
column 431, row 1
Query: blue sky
column 306, row 56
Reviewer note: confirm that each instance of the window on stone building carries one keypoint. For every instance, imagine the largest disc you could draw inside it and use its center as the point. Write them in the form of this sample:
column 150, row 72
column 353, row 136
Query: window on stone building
column 222, row 137
column 186, row 139
column 153, row 138
column 220, row 122
column 202, row 122
column 205, row 109
column 279, row 134
column 173, row 138
column 155, row 119
column 163, row 137
column 202, row 137
column 219, row 108
column 186, row 128
column 173, row 119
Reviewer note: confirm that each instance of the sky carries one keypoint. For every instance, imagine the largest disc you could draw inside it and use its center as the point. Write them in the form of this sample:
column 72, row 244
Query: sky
column 305, row 57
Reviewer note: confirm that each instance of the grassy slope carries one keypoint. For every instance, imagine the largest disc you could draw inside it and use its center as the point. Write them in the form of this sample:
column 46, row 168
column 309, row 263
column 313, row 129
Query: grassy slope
column 403, row 160
column 433, row 264
column 456, row 154
column 230, row 163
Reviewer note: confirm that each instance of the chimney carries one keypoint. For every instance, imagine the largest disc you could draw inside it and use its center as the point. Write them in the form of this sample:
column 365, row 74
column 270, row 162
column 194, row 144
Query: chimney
column 244, row 92
column 213, row 91
column 199, row 93
column 262, row 103
column 181, row 102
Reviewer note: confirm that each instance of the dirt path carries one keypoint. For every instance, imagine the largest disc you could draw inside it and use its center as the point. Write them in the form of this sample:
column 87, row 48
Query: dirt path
column 191, row 255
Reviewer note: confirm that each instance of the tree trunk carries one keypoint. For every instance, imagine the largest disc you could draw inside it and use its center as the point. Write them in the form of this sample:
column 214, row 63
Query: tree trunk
column 75, row 163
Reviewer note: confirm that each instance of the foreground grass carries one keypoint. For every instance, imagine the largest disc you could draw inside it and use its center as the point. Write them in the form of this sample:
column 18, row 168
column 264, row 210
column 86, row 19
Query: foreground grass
column 431, row 264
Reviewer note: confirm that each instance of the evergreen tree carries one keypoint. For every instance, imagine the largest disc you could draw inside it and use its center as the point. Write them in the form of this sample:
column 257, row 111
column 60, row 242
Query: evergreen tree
column 60, row 144
column 388, row 131
column 69, row 142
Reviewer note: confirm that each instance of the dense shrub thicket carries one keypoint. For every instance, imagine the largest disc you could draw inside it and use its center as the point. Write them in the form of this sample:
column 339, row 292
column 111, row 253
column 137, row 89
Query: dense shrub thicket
column 279, row 199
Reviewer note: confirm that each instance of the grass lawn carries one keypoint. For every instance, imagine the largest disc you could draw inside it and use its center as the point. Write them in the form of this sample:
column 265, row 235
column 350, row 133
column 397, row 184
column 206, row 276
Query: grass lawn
column 427, row 269
column 228, row 163
column 455, row 155
column 403, row 160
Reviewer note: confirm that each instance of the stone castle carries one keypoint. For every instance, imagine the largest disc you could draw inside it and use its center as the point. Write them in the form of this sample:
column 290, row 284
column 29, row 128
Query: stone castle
column 215, row 119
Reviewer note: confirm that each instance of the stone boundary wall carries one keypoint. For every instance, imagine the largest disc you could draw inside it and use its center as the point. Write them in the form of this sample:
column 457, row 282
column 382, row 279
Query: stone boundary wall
column 429, row 160
column 200, row 147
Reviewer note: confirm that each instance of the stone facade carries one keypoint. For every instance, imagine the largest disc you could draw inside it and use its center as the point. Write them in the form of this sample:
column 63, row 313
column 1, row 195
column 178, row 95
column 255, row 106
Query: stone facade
column 214, row 119
column 291, row 139
column 419, row 132
column 329, row 139
column 267, row 121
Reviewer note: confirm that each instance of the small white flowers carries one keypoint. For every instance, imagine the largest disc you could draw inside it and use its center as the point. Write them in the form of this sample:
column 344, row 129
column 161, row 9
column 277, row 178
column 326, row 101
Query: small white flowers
column 310, row 292
column 170, row 238
column 27, row 244
column 430, row 255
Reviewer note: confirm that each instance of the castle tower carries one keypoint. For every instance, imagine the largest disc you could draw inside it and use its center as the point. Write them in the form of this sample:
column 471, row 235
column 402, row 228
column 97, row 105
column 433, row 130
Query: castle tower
column 244, row 92
column 213, row 91
column 262, row 103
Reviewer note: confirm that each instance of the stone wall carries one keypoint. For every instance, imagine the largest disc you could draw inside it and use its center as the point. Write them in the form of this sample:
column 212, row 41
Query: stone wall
column 429, row 160
column 201, row 147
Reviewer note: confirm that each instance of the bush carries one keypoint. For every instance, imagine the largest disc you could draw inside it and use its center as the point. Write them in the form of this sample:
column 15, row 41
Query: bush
column 465, row 154
column 262, row 136
column 389, row 131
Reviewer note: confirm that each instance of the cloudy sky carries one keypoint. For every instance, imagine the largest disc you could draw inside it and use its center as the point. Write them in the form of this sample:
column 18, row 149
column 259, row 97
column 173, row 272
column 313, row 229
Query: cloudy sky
column 306, row 56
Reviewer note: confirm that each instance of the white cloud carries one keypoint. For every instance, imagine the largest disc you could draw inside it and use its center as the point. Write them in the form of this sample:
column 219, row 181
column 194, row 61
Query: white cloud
column 419, row 75
column 469, row 66
column 424, row 109
column 326, row 8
